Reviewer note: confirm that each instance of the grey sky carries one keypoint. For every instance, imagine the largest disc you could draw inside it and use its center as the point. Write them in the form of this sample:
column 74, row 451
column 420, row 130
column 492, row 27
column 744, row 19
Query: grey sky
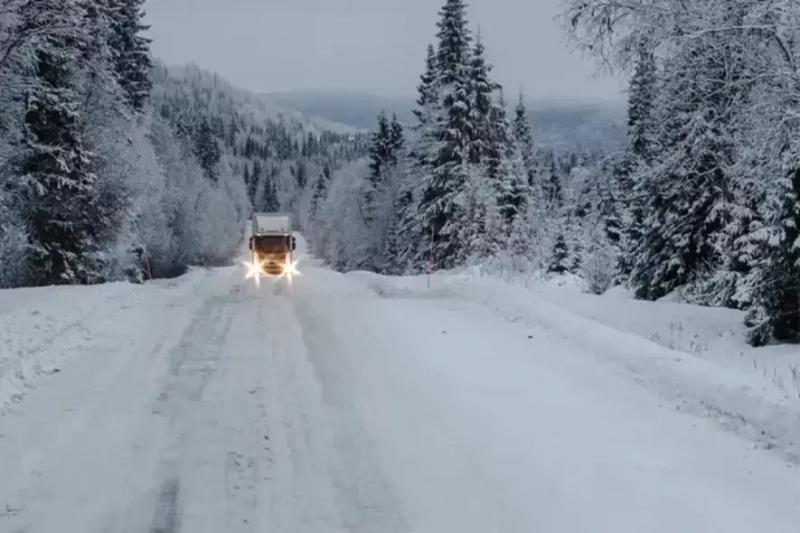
column 366, row 45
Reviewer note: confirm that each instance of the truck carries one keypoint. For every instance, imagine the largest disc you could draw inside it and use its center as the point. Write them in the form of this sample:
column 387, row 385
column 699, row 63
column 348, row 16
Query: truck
column 272, row 243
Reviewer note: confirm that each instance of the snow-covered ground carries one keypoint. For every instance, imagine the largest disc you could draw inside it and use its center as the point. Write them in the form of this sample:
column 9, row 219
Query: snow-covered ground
column 370, row 404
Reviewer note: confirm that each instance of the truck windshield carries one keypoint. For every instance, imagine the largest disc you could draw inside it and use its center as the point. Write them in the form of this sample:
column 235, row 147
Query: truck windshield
column 268, row 244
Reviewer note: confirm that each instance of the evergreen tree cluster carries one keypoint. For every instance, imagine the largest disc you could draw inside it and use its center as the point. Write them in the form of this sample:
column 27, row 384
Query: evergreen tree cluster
column 452, row 190
column 464, row 183
column 276, row 156
column 70, row 69
column 114, row 168
column 711, row 203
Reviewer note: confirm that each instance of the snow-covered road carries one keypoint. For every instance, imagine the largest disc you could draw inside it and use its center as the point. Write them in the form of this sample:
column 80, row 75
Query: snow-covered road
column 208, row 405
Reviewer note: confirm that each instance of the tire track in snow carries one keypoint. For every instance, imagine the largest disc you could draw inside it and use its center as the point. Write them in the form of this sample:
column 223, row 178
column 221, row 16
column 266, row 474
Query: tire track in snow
column 193, row 363
column 167, row 516
column 367, row 497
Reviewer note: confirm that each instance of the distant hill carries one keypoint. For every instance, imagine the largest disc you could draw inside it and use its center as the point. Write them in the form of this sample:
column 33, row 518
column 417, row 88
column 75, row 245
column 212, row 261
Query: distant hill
column 259, row 107
column 557, row 125
column 355, row 109
column 570, row 125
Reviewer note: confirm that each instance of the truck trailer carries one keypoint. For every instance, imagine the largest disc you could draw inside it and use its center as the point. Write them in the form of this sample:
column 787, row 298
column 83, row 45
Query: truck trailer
column 272, row 243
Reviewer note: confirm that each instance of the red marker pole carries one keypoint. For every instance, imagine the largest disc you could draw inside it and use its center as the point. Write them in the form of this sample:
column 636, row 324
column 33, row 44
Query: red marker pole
column 430, row 258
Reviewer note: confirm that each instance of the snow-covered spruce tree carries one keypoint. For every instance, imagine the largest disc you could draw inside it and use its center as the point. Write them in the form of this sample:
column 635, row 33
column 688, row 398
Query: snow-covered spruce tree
column 688, row 202
column 397, row 140
column 57, row 189
column 642, row 137
column 772, row 286
column 523, row 133
column 421, row 148
column 524, row 236
column 609, row 205
column 418, row 165
column 206, row 148
column 441, row 202
column 555, row 219
column 270, row 203
column 482, row 90
column 405, row 233
column 320, row 191
column 131, row 50
column 505, row 168
column 252, row 179
column 484, row 229
column 774, row 314
column 381, row 157
column 553, row 188
column 559, row 257
column 642, row 92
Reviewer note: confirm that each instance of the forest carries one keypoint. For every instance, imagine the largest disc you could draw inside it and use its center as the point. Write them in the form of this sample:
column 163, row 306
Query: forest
column 114, row 166
column 702, row 204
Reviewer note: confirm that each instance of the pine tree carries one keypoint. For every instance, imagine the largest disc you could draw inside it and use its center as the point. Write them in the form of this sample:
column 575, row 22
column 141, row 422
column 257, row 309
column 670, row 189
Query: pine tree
column 56, row 184
column 98, row 55
column 131, row 50
column 504, row 167
column 524, row 137
column 607, row 203
column 441, row 206
column 385, row 148
column 642, row 138
column 300, row 174
column 554, row 191
column 380, row 151
column 775, row 311
column 320, row 192
column 248, row 180
column 255, row 179
column 206, row 148
column 687, row 191
column 482, row 90
column 426, row 89
column 270, row 202
column 422, row 150
column 559, row 256
column 396, row 140
column 405, row 232
column 641, row 99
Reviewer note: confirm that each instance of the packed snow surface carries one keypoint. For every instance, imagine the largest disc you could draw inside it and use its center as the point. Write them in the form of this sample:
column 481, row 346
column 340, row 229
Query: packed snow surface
column 358, row 403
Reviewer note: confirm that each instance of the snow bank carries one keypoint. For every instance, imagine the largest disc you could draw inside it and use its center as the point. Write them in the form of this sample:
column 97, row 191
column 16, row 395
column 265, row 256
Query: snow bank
column 691, row 356
column 41, row 327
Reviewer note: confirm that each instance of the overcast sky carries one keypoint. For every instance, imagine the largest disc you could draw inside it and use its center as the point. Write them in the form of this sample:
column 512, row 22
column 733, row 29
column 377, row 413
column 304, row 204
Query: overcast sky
column 366, row 45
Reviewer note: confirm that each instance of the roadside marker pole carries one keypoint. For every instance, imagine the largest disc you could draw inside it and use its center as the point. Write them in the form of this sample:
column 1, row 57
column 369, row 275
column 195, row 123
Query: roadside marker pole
column 430, row 258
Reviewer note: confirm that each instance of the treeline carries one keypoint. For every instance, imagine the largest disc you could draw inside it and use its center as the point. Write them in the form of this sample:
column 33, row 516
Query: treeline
column 704, row 200
column 713, row 166
column 111, row 168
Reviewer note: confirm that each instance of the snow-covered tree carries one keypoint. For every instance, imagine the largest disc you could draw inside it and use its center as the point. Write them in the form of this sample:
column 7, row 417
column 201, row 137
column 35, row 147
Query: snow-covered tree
column 505, row 167
column 688, row 202
column 482, row 90
column 131, row 50
column 56, row 184
column 441, row 203
column 206, row 149
column 523, row 133
column 642, row 93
